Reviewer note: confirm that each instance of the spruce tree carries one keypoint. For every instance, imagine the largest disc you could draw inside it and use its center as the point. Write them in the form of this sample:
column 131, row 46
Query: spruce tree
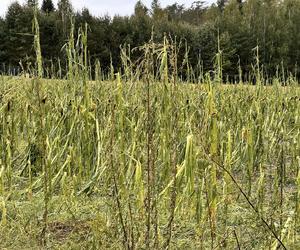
column 47, row 6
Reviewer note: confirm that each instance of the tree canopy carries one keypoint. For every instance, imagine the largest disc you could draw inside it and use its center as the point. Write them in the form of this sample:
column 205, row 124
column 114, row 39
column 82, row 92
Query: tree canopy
column 47, row 6
column 272, row 26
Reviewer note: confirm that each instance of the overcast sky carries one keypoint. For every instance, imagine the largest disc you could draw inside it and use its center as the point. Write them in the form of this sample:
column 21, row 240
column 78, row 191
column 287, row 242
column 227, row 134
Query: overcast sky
column 101, row 7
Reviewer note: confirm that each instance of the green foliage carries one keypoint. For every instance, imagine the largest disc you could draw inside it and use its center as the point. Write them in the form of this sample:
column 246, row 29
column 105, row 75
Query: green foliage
column 240, row 26
column 47, row 6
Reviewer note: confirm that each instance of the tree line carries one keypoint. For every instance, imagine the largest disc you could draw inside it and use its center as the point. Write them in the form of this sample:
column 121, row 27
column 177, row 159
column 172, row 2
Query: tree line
column 245, row 32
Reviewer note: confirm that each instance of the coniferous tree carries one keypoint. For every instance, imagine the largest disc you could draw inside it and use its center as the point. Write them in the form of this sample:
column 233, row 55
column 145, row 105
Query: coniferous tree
column 240, row 25
column 47, row 6
column 18, row 26
column 65, row 11
column 3, row 51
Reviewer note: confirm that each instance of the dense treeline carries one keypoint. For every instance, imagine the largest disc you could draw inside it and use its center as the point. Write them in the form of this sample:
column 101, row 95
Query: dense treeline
column 243, row 29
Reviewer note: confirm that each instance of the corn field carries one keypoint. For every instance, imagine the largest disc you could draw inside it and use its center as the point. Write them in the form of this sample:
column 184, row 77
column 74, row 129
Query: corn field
column 139, row 158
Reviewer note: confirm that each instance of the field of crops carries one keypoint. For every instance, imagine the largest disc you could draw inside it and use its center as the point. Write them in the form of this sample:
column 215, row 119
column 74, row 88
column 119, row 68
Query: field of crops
column 131, row 165
column 145, row 159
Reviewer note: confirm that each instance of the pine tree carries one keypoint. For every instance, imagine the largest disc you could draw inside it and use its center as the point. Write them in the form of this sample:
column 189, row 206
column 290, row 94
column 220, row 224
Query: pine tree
column 47, row 6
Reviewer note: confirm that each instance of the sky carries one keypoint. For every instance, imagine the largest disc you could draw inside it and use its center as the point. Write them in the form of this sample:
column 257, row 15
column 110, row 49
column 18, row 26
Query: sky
column 102, row 7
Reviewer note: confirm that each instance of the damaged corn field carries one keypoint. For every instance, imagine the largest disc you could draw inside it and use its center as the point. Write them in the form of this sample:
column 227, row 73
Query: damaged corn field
column 143, row 159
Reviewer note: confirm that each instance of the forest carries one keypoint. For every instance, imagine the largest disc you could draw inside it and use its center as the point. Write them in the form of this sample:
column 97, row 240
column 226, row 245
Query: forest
column 245, row 31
